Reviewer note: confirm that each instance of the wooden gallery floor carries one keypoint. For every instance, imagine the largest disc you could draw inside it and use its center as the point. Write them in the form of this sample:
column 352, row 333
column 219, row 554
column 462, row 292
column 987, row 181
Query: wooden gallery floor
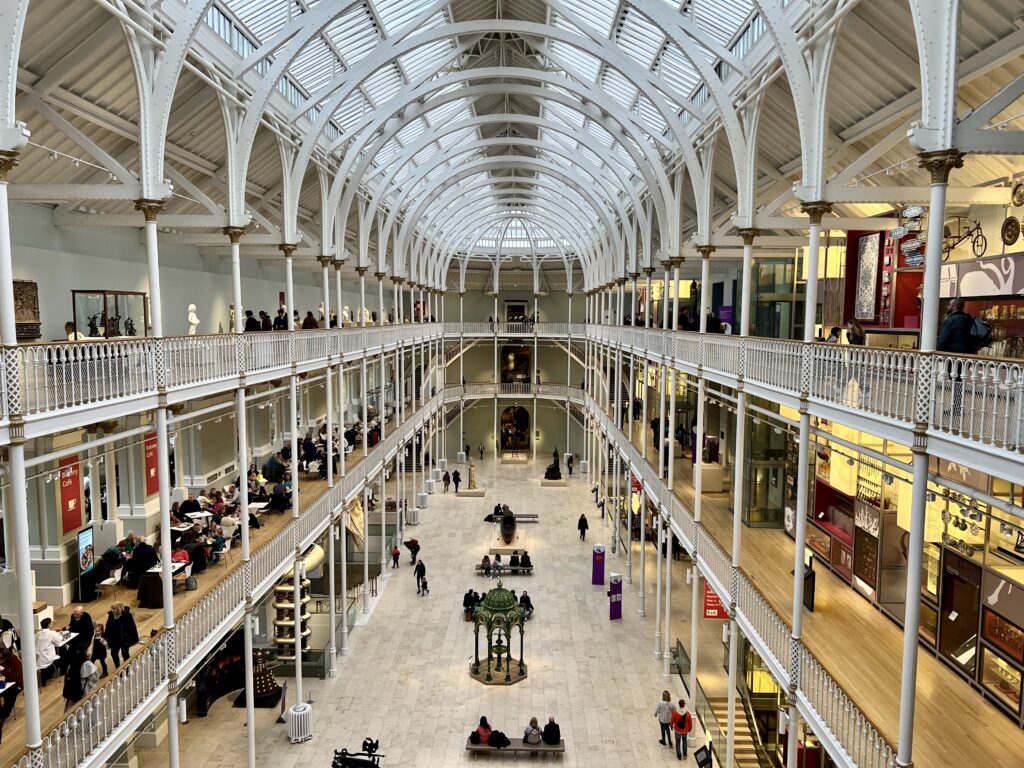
column 862, row 648
column 147, row 619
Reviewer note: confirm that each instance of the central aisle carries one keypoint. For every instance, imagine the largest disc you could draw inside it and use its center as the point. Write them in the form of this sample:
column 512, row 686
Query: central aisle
column 406, row 679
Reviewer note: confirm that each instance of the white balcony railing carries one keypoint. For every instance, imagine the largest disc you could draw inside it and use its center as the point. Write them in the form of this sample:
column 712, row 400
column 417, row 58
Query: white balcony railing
column 143, row 679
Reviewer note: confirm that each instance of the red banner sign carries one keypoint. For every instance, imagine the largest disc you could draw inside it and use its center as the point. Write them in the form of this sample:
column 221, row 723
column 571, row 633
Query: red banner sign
column 637, row 485
column 70, row 494
column 713, row 608
column 152, row 476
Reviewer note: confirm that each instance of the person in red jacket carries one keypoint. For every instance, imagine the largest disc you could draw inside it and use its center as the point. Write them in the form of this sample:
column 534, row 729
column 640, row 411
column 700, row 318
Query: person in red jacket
column 484, row 729
column 682, row 724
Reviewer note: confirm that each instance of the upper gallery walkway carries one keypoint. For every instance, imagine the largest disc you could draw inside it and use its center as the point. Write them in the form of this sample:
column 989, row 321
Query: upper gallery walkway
column 973, row 408
column 861, row 648
column 91, row 732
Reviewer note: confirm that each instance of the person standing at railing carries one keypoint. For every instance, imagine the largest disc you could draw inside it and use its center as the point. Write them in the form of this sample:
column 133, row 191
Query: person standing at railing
column 310, row 323
column 251, row 323
column 281, row 321
column 955, row 337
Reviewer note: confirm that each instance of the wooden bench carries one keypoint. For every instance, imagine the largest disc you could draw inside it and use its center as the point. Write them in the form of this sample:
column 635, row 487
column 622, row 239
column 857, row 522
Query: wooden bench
column 516, row 747
column 527, row 517
column 509, row 568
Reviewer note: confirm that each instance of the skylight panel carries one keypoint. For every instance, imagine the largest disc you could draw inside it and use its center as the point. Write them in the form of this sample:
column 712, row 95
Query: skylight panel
column 411, row 132
column 599, row 133
column 395, row 14
column 383, row 84
column 618, row 87
column 426, row 59
column 650, row 115
column 387, row 152
column 722, row 19
column 314, row 65
column 599, row 14
column 640, row 39
column 676, row 70
column 261, row 18
column 583, row 65
column 457, row 138
column 354, row 34
column 351, row 110
column 563, row 114
column 448, row 112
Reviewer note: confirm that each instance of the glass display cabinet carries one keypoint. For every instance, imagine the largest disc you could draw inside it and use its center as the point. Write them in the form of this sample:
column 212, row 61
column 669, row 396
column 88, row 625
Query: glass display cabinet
column 109, row 314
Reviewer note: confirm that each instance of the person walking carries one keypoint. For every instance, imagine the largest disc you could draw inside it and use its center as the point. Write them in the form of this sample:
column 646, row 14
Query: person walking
column 582, row 525
column 99, row 648
column 481, row 451
column 568, row 464
column 395, row 554
column 457, row 480
column 664, row 712
column 682, row 724
column 120, row 632
column 420, row 572
column 446, row 480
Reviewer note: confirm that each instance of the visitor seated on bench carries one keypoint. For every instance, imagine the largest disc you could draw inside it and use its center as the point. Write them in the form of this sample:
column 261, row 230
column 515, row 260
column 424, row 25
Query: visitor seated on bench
column 485, row 566
column 498, row 565
column 552, row 734
column 483, row 730
column 514, row 560
column 532, row 733
column 525, row 561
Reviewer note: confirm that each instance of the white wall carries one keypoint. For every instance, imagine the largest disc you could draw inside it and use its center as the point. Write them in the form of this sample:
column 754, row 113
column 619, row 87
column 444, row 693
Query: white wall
column 60, row 259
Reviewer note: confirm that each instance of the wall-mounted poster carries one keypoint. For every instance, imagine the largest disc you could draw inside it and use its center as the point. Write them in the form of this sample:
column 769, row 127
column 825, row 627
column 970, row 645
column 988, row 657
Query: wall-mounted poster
column 70, row 494
column 152, row 475
column 867, row 277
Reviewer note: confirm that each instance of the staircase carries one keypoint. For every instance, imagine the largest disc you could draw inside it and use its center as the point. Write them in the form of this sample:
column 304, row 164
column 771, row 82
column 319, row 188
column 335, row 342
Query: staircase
column 455, row 350
column 745, row 748
column 453, row 412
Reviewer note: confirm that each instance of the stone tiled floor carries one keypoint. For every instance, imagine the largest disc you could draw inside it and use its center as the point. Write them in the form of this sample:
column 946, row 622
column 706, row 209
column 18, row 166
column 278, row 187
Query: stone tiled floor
column 406, row 680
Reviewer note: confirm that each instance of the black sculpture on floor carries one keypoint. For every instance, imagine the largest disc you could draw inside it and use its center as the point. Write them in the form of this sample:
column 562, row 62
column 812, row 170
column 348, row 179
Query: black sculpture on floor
column 508, row 526
column 368, row 757
column 553, row 472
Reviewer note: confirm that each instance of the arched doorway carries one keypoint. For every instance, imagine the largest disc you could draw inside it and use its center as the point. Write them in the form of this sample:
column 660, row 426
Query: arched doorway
column 515, row 429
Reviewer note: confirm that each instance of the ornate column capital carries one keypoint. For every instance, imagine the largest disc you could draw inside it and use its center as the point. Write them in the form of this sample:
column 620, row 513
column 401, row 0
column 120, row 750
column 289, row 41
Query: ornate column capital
column 816, row 210
column 288, row 249
column 361, row 271
column 325, row 261
column 150, row 208
column 705, row 251
column 8, row 162
column 622, row 281
column 648, row 271
column 108, row 427
column 234, row 234
column 396, row 280
column 940, row 163
column 748, row 234
column 338, row 265
column 380, row 276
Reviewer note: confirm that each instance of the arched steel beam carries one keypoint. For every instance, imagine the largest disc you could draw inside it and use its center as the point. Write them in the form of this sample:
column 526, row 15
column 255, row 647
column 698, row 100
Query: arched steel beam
column 576, row 165
column 486, row 164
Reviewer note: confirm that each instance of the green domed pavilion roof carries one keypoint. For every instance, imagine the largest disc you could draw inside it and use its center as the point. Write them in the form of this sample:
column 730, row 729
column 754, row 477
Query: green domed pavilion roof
column 500, row 600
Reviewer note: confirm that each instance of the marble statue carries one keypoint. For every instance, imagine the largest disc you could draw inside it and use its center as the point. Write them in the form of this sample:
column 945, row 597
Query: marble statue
column 321, row 310
column 345, row 316
column 193, row 320
column 472, row 474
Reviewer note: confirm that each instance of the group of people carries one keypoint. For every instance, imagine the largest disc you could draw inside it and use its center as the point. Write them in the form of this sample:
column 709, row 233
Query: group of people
column 79, row 652
column 264, row 322
column 532, row 734
column 494, row 568
column 472, row 599
column 675, row 721
column 451, row 478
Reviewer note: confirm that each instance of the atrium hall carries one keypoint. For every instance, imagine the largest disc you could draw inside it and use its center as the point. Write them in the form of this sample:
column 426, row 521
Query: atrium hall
column 683, row 339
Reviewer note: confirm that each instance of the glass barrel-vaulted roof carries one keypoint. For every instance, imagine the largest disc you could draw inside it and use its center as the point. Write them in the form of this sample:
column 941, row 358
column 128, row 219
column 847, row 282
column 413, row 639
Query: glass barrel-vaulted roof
column 544, row 131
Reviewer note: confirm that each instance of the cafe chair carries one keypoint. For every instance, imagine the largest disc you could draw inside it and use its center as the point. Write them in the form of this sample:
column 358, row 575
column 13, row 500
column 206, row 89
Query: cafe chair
column 114, row 580
column 182, row 577
column 224, row 554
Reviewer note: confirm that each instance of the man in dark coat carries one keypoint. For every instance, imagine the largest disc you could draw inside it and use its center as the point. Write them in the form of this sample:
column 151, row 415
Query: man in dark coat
column 421, row 575
column 552, row 734
column 955, row 337
column 955, row 334
column 144, row 557
column 582, row 526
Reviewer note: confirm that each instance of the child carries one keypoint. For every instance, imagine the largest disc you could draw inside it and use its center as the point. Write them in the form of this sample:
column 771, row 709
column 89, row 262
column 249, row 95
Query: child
column 99, row 648
column 424, row 588
column 395, row 554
